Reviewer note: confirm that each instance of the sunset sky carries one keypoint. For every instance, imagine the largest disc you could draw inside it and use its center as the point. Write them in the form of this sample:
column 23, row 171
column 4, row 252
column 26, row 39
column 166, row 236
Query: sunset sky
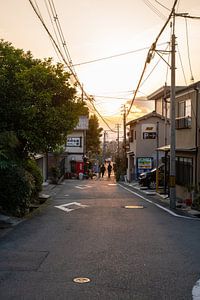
column 95, row 29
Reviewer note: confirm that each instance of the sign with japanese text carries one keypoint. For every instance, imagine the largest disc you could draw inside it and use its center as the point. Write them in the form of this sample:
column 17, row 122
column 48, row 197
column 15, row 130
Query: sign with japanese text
column 148, row 131
column 74, row 142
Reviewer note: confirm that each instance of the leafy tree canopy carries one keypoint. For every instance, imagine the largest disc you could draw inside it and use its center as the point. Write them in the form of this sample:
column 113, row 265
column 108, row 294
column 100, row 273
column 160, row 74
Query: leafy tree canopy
column 93, row 135
column 37, row 101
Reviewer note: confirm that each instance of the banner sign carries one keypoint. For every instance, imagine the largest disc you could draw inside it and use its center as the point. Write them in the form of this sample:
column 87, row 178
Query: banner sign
column 144, row 164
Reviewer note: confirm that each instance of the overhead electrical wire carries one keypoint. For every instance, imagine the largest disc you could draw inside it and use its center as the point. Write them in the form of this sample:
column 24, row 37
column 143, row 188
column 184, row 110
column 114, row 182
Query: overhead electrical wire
column 162, row 5
column 188, row 50
column 181, row 62
column 52, row 23
column 65, row 61
column 154, row 9
column 113, row 56
column 150, row 54
column 60, row 32
column 39, row 12
column 152, row 70
column 122, row 98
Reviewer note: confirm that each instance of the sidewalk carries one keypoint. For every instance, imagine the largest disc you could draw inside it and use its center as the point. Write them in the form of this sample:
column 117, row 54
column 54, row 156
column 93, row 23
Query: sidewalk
column 164, row 200
column 8, row 222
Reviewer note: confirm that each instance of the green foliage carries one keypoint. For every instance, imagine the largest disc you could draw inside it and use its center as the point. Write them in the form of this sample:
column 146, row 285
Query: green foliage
column 119, row 168
column 55, row 174
column 16, row 187
column 32, row 167
column 93, row 135
column 37, row 101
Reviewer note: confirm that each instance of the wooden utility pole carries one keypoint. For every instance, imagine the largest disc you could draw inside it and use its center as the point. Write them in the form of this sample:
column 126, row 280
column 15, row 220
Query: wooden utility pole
column 157, row 156
column 124, row 125
column 118, row 126
column 104, row 146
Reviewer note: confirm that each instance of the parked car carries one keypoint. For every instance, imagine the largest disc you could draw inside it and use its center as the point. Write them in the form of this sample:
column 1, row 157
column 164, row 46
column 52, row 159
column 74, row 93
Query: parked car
column 148, row 179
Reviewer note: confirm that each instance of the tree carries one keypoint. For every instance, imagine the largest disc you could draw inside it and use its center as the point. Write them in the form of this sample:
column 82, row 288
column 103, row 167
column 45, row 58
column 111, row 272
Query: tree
column 93, row 135
column 38, row 103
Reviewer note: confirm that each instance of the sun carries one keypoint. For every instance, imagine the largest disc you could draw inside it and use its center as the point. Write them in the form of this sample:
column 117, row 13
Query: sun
column 109, row 107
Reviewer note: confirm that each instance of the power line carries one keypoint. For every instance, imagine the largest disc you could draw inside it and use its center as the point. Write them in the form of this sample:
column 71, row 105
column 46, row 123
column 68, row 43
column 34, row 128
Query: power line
column 122, row 98
column 181, row 62
column 150, row 55
column 65, row 61
column 154, row 9
column 162, row 5
column 112, row 56
column 188, row 51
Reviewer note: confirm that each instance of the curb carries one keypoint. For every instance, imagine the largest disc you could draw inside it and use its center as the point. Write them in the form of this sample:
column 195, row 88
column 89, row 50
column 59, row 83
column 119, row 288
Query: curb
column 186, row 211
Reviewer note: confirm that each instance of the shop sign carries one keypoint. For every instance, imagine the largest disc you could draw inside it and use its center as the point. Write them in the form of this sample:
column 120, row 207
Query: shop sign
column 73, row 142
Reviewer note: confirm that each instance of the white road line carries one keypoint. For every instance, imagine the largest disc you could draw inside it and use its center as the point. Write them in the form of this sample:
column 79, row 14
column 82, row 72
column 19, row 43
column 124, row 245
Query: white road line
column 82, row 187
column 196, row 291
column 160, row 206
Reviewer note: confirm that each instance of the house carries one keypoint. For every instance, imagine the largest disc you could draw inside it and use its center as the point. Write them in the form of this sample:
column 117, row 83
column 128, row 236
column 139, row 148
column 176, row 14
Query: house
column 146, row 134
column 187, row 134
column 75, row 148
column 187, row 139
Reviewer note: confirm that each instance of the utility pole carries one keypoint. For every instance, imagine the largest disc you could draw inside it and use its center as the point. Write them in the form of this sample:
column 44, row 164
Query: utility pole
column 157, row 156
column 172, row 177
column 104, row 147
column 124, row 139
column 118, row 125
column 124, row 125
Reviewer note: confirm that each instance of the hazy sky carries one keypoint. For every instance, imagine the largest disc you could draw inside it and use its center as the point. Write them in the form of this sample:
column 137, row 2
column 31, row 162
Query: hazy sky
column 96, row 29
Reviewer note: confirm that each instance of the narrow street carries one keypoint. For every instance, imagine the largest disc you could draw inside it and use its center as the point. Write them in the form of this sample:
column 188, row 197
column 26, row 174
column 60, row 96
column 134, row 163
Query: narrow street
column 85, row 231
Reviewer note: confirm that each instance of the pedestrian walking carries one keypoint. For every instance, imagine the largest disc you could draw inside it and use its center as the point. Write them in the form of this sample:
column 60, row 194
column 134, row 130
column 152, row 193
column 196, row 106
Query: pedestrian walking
column 109, row 170
column 102, row 170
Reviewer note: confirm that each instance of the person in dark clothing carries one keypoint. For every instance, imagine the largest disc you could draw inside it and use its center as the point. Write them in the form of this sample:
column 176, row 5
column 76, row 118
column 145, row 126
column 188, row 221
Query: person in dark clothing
column 102, row 170
column 109, row 170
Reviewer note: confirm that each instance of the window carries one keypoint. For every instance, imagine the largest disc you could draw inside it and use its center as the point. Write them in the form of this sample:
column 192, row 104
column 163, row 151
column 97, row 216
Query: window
column 183, row 119
column 188, row 108
column 184, row 168
column 184, row 108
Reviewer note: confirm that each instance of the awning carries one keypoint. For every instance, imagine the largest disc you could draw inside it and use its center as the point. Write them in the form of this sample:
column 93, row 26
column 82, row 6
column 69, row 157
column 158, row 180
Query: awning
column 167, row 149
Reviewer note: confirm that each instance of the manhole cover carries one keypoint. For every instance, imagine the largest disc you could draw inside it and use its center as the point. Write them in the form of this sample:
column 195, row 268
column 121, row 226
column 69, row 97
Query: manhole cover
column 134, row 206
column 81, row 280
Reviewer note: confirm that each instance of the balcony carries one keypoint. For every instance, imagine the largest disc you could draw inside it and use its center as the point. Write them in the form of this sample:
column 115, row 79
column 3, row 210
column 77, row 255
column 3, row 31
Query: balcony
column 183, row 122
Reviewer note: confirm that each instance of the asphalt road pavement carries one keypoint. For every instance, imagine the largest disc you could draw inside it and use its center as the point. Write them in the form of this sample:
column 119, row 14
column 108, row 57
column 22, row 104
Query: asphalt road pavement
column 139, row 252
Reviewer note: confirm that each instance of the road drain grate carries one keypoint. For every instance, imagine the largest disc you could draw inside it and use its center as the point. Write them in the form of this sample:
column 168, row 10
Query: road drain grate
column 134, row 206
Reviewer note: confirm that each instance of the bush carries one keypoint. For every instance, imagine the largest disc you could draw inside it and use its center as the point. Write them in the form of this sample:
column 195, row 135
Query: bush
column 16, row 186
column 55, row 172
column 32, row 167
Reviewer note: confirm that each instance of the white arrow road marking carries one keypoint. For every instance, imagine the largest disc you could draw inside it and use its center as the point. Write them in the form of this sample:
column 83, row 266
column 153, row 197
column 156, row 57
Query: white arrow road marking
column 82, row 187
column 67, row 209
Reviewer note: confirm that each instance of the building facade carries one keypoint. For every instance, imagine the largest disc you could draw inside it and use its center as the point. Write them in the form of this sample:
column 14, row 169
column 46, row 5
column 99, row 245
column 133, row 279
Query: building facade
column 187, row 108
column 146, row 134
column 75, row 148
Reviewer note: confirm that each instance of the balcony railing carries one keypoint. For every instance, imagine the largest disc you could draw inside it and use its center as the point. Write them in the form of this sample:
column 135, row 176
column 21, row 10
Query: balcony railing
column 183, row 122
